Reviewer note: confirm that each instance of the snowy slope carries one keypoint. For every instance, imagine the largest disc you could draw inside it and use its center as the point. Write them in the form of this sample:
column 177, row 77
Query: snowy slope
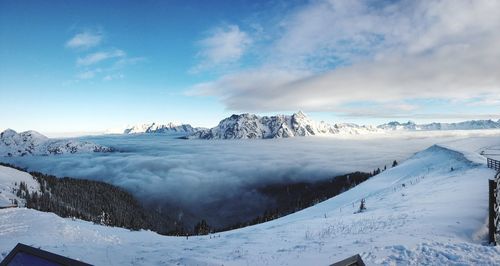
column 418, row 213
column 159, row 128
column 251, row 126
column 34, row 143
column 9, row 182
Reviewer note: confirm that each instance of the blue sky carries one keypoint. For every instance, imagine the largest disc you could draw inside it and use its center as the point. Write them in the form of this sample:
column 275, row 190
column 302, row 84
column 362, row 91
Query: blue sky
column 91, row 65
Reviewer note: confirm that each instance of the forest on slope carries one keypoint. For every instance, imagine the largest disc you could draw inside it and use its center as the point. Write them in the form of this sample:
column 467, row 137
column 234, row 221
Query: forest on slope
column 106, row 204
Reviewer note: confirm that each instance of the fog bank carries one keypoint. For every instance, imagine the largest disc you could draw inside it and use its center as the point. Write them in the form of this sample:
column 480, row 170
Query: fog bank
column 216, row 180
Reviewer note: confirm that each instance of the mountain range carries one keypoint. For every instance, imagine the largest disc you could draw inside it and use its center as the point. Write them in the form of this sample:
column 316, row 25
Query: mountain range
column 251, row 126
column 34, row 143
column 160, row 128
column 236, row 126
column 466, row 125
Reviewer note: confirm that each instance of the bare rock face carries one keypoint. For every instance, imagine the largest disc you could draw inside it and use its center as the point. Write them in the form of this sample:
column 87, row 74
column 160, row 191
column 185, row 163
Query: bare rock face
column 251, row 126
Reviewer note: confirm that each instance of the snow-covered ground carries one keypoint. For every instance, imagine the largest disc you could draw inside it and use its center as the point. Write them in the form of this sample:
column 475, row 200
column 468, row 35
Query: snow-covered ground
column 419, row 213
column 10, row 179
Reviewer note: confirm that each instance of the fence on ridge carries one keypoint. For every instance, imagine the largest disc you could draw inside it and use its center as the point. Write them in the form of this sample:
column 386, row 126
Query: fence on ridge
column 494, row 203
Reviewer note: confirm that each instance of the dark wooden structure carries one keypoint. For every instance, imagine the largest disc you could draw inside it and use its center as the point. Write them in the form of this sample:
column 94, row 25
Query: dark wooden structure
column 494, row 203
column 351, row 261
column 493, row 164
column 26, row 255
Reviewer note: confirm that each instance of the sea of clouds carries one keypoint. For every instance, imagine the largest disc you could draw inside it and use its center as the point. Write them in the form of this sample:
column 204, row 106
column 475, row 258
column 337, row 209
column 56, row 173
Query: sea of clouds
column 217, row 179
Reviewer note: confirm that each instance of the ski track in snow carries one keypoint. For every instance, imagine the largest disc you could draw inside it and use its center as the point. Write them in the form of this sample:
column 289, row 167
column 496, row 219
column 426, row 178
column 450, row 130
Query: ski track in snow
column 418, row 213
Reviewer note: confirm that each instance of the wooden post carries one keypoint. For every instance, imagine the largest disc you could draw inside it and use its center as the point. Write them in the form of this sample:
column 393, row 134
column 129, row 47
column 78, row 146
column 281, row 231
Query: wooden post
column 491, row 226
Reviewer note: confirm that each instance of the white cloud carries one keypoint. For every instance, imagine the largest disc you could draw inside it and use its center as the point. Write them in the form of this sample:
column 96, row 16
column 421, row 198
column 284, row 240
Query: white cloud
column 84, row 40
column 86, row 75
column 332, row 53
column 126, row 61
column 113, row 77
column 99, row 56
column 105, row 64
column 109, row 73
column 225, row 45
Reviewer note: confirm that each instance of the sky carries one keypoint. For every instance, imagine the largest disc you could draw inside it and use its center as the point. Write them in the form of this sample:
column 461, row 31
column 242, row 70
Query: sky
column 88, row 66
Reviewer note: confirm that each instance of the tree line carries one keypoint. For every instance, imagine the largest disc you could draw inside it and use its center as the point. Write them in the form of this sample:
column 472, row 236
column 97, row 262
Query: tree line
column 290, row 198
column 95, row 201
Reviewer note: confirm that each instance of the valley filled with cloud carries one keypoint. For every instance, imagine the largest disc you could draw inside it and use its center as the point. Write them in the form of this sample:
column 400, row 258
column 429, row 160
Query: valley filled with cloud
column 218, row 180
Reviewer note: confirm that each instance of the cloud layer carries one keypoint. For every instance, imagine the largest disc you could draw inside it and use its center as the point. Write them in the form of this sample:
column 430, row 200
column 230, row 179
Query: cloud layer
column 216, row 180
column 335, row 53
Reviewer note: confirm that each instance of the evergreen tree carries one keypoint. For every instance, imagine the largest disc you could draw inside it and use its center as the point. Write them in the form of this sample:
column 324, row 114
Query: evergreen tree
column 202, row 228
column 362, row 206
column 94, row 201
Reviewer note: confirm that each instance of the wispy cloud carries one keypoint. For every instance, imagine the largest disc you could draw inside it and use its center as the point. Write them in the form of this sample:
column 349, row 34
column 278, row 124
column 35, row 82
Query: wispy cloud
column 224, row 45
column 85, row 40
column 332, row 53
column 113, row 77
column 99, row 56
column 127, row 61
column 88, row 74
column 104, row 63
column 109, row 72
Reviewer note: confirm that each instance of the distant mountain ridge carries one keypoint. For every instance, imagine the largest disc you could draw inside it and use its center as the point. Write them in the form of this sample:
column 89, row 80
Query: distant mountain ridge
column 159, row 128
column 33, row 143
column 466, row 125
column 251, row 126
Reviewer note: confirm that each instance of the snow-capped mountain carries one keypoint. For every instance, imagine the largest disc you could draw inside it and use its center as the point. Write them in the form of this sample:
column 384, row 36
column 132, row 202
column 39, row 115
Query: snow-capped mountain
column 251, row 126
column 394, row 125
column 34, row 143
column 466, row 125
column 160, row 128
